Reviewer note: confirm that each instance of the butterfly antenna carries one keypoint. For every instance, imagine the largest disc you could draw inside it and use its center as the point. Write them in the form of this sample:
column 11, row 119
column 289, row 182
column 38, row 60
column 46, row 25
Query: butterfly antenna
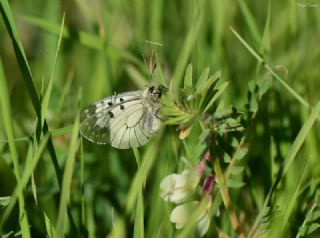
column 144, row 59
column 152, row 72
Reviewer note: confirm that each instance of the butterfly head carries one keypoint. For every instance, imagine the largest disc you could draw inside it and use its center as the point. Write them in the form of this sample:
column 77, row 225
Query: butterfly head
column 155, row 93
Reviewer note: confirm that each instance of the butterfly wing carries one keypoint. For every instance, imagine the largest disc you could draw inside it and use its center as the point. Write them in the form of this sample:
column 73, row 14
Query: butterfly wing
column 96, row 118
column 125, row 120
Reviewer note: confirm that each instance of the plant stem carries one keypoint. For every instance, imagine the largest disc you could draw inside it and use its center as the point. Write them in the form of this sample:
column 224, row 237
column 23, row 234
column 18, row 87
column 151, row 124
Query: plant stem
column 226, row 198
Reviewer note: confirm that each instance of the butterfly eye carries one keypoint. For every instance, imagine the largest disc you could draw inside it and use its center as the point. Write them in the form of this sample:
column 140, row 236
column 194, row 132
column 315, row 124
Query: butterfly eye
column 157, row 92
column 151, row 89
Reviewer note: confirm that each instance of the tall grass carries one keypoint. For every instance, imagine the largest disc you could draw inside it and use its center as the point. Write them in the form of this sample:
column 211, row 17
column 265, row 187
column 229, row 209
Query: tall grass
column 242, row 80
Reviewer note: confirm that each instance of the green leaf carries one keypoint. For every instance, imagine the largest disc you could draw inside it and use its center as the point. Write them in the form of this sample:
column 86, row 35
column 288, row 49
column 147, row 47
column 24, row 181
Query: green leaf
column 188, row 77
column 265, row 212
column 234, row 170
column 234, row 142
column 226, row 158
column 202, row 81
column 264, row 86
column 204, row 87
column 252, row 86
column 232, row 183
column 308, row 229
column 253, row 103
column 240, row 153
column 313, row 215
column 221, row 89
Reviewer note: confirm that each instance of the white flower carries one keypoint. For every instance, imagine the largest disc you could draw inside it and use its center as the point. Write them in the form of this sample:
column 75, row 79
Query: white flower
column 176, row 188
column 183, row 213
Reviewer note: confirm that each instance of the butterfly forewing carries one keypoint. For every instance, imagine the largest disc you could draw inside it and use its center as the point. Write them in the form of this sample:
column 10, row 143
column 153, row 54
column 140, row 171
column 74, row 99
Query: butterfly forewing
column 124, row 120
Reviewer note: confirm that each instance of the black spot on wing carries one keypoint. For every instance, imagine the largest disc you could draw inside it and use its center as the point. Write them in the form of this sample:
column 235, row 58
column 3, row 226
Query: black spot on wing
column 111, row 114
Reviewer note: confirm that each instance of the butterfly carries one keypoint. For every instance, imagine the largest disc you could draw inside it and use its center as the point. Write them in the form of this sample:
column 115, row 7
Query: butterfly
column 123, row 120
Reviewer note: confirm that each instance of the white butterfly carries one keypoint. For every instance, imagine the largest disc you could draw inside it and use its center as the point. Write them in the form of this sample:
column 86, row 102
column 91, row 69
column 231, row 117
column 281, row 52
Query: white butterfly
column 124, row 120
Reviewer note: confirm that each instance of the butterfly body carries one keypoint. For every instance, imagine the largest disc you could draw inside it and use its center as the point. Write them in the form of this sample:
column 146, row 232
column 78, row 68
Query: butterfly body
column 124, row 120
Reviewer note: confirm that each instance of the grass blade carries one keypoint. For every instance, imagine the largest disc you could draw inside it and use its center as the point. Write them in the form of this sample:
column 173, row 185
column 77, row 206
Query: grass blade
column 297, row 144
column 27, row 76
column 46, row 98
column 301, row 137
column 188, row 46
column 250, row 20
column 141, row 175
column 139, row 217
column 27, row 173
column 7, row 123
column 268, row 68
column 67, row 177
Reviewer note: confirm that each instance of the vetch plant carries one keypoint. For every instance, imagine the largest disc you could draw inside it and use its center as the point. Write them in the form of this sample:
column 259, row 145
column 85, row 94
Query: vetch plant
column 216, row 133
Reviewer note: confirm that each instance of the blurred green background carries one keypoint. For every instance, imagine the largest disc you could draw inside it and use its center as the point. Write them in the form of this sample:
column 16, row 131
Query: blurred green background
column 103, row 51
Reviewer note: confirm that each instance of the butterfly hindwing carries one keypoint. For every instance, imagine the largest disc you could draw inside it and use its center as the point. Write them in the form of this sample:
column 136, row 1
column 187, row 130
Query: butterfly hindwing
column 119, row 128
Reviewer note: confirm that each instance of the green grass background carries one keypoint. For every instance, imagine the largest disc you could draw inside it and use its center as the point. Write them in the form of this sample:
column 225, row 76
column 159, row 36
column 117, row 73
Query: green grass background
column 58, row 56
